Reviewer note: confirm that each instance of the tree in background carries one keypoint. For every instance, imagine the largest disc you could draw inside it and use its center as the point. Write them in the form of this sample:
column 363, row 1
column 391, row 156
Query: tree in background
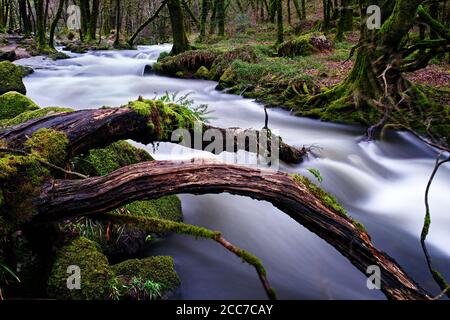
column 180, row 40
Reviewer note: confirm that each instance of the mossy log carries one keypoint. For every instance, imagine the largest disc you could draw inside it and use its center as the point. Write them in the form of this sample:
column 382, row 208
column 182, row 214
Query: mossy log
column 150, row 180
column 89, row 129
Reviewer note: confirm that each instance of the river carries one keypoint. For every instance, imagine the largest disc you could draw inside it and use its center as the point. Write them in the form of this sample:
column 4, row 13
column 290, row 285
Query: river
column 381, row 184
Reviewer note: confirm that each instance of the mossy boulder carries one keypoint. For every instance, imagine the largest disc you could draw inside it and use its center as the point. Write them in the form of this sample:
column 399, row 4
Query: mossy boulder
column 94, row 267
column 244, row 54
column 11, row 78
column 187, row 62
column 13, row 103
column 202, row 73
column 158, row 269
column 304, row 45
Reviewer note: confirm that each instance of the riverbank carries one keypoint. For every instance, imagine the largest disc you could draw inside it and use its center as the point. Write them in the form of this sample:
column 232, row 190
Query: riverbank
column 290, row 75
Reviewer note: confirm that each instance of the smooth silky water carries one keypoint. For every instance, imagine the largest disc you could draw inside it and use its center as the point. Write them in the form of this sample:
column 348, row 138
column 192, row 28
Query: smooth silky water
column 381, row 184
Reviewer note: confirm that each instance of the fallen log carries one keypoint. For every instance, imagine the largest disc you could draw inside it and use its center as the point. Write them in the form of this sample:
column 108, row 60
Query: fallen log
column 88, row 129
column 151, row 180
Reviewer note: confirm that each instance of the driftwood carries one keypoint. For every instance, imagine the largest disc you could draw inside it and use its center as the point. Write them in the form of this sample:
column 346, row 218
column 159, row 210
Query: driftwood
column 88, row 129
column 150, row 180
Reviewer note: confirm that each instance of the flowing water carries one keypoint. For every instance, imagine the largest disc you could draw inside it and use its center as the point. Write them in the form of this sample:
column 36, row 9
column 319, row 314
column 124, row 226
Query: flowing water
column 381, row 184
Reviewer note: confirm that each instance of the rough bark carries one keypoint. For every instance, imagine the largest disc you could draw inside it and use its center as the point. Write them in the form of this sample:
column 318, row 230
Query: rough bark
column 40, row 29
column 26, row 23
column 220, row 16
column 204, row 17
column 180, row 40
column 88, row 129
column 55, row 23
column 118, row 23
column 280, row 28
column 93, row 18
column 63, row 198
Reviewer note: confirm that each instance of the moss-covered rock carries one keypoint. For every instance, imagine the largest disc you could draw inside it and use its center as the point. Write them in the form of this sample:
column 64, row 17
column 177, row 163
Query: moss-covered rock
column 202, row 73
column 157, row 269
column 13, row 103
column 304, row 45
column 11, row 78
column 187, row 62
column 94, row 267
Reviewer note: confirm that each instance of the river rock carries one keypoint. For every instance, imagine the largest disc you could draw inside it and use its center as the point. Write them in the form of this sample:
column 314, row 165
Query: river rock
column 148, row 69
column 8, row 55
column 11, row 78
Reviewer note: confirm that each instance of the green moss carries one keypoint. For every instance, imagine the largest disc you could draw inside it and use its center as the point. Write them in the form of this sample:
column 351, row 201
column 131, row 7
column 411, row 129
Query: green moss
column 23, row 175
column 29, row 115
column 168, row 207
column 50, row 145
column 253, row 260
column 13, row 103
column 11, row 78
column 100, row 162
column 94, row 267
column 202, row 73
column 159, row 269
column 327, row 199
column 300, row 46
column 156, row 225
column 187, row 62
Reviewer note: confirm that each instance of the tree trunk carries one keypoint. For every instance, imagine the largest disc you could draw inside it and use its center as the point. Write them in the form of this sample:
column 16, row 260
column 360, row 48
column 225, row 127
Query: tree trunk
column 106, row 18
column 26, row 23
column 40, row 29
column 280, row 28
column 55, row 23
column 298, row 9
column 345, row 22
column 85, row 16
column 272, row 10
column 326, row 15
column 304, row 9
column 204, row 18
column 118, row 23
column 180, row 40
column 220, row 16
column 92, row 25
